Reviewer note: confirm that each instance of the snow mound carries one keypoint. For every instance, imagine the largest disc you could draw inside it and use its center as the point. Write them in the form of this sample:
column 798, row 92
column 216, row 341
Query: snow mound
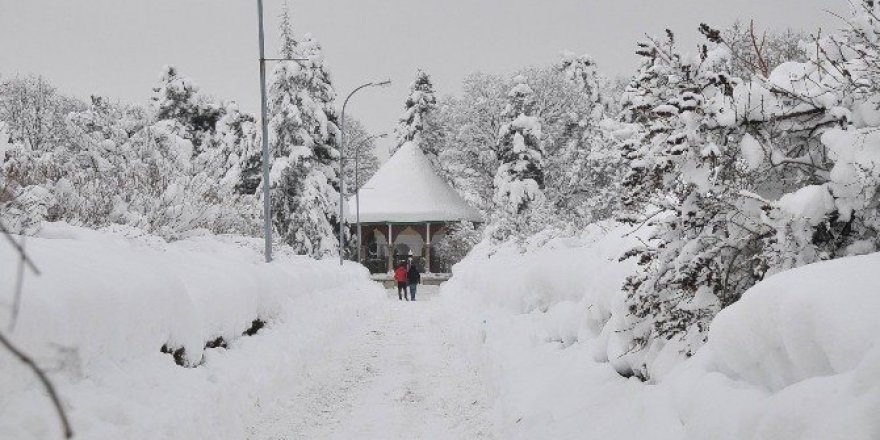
column 796, row 358
column 108, row 301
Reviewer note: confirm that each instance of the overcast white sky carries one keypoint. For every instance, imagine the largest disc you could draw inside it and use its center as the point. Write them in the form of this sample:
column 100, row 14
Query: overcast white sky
column 117, row 47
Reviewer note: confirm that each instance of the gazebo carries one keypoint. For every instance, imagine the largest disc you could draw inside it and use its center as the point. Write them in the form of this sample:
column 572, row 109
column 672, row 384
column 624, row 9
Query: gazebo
column 404, row 208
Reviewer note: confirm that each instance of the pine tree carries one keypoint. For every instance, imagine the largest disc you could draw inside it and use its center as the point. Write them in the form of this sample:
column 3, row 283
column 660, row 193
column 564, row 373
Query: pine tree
column 288, row 41
column 233, row 148
column 177, row 100
column 519, row 181
column 303, row 140
column 250, row 157
column 419, row 105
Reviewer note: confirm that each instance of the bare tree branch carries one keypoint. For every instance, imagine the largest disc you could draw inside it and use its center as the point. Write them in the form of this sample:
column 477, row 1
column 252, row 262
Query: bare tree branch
column 18, row 248
column 50, row 389
column 19, row 283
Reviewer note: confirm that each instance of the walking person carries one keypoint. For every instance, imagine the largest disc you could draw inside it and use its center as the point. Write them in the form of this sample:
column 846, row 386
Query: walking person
column 413, row 278
column 400, row 276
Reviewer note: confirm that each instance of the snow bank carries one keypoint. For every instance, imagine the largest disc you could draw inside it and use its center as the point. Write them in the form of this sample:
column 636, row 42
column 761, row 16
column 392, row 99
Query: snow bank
column 559, row 270
column 107, row 301
column 798, row 357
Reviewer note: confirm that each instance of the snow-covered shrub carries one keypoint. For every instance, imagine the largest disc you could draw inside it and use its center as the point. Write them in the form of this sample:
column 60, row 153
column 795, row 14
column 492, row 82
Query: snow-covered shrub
column 743, row 178
column 458, row 241
column 680, row 165
column 117, row 164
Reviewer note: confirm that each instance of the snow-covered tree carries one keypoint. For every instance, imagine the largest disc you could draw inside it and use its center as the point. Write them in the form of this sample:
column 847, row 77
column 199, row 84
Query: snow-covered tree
column 115, row 164
column 753, row 52
column 699, row 258
column 519, row 181
column 358, row 141
column 419, row 105
column 35, row 114
column 587, row 163
column 177, row 100
column 462, row 127
column 736, row 178
column 288, row 40
column 303, row 137
column 230, row 158
column 466, row 125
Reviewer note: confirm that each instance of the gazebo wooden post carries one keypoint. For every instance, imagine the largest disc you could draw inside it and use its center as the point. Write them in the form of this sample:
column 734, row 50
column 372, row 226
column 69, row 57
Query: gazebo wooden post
column 361, row 249
column 390, row 250
column 428, row 247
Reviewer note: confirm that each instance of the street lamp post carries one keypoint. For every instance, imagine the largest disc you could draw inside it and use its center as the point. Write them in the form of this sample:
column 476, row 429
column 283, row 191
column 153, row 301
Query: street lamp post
column 267, row 207
column 357, row 190
column 342, row 164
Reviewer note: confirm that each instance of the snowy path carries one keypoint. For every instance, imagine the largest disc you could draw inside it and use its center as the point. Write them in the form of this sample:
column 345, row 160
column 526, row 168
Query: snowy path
column 398, row 377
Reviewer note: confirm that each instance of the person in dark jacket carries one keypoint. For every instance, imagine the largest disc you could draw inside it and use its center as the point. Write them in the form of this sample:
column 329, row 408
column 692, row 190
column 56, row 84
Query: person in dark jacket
column 400, row 277
column 413, row 278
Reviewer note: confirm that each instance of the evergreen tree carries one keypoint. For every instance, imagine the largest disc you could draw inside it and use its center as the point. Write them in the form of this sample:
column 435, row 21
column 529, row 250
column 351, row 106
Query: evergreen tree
column 288, row 41
column 177, row 100
column 235, row 144
column 519, row 181
column 419, row 105
column 303, row 139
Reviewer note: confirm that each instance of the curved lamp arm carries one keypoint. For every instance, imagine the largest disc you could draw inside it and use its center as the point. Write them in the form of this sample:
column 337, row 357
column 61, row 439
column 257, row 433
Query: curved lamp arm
column 342, row 162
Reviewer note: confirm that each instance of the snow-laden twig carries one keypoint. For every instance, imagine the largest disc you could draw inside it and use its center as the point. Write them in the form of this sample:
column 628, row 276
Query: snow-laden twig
column 18, row 248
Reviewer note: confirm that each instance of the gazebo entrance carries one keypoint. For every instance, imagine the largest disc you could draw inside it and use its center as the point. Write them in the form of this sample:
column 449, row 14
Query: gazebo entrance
column 387, row 244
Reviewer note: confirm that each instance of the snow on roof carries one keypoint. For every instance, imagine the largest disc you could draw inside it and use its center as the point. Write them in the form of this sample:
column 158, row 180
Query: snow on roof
column 406, row 189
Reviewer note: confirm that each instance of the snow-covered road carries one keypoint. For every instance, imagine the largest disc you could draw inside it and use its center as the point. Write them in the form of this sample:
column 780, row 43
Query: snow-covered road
column 397, row 377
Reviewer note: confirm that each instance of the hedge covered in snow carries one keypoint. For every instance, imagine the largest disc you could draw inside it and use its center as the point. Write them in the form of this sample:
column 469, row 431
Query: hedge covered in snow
column 108, row 302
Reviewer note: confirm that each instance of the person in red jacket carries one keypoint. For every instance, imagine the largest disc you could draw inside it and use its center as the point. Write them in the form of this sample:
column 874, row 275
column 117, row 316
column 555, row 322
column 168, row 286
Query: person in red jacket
column 400, row 277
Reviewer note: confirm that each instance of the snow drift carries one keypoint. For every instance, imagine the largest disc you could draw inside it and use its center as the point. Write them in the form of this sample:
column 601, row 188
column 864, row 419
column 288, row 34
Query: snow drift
column 797, row 358
column 108, row 301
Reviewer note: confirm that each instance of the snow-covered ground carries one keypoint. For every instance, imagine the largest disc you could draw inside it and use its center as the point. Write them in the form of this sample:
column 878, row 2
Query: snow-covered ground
column 515, row 346
column 399, row 376
column 339, row 358
column 106, row 303
column 797, row 358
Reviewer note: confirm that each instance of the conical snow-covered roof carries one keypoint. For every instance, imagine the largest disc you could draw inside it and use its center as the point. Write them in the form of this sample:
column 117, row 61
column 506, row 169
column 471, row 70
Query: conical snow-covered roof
column 407, row 190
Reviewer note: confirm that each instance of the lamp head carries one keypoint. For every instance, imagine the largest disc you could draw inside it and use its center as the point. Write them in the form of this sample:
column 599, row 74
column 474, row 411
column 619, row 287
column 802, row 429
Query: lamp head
column 385, row 83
